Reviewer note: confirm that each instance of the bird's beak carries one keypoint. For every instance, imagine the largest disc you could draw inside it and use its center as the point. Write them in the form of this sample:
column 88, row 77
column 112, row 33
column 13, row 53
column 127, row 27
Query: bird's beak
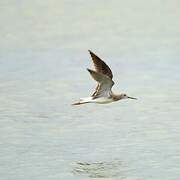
column 132, row 97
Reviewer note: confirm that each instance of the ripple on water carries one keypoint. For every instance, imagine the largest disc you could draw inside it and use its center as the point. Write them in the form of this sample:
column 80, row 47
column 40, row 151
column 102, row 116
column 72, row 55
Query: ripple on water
column 98, row 169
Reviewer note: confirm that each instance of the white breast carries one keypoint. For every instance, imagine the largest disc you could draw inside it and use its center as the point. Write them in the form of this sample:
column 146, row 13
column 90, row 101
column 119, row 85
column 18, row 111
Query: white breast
column 102, row 100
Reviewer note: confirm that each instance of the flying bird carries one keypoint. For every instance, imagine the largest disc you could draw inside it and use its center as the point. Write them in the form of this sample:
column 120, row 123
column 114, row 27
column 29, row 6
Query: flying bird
column 103, row 76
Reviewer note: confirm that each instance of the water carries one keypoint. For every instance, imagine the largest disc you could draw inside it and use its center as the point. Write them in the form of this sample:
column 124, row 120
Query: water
column 43, row 47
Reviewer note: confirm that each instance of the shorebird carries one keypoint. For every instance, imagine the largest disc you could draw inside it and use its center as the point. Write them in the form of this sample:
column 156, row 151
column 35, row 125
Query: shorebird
column 103, row 75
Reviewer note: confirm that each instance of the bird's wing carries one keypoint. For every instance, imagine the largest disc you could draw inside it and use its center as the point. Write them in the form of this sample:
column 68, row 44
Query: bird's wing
column 104, row 84
column 100, row 65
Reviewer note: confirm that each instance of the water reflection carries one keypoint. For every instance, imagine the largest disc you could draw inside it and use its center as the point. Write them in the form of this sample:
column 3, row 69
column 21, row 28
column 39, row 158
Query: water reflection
column 99, row 169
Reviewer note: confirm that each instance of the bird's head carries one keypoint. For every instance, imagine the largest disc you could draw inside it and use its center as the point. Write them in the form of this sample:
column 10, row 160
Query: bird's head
column 125, row 96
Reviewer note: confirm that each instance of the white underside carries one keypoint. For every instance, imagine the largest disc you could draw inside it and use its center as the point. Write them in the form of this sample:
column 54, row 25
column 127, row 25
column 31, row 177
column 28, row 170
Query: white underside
column 101, row 100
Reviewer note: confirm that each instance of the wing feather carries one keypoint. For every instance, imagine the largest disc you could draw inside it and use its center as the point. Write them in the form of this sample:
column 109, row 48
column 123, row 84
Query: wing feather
column 104, row 84
column 100, row 65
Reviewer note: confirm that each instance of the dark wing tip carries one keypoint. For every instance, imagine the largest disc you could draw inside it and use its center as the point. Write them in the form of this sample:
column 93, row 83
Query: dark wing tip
column 100, row 65
column 93, row 55
column 89, row 51
column 89, row 70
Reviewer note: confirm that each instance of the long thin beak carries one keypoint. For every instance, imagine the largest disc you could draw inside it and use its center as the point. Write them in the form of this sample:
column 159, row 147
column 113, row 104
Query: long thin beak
column 132, row 97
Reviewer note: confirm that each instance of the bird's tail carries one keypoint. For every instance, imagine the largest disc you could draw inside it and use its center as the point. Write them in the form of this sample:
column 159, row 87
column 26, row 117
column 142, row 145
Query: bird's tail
column 83, row 101
column 79, row 103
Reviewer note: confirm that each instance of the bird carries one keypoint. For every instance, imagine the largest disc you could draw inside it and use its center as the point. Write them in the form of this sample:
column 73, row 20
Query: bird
column 103, row 93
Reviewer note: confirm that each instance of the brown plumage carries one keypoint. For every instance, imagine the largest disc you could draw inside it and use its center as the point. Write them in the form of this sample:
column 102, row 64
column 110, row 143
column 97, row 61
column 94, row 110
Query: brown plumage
column 100, row 67
column 105, row 83
column 103, row 76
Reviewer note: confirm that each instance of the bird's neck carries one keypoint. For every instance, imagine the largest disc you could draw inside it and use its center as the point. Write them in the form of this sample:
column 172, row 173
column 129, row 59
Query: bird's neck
column 116, row 97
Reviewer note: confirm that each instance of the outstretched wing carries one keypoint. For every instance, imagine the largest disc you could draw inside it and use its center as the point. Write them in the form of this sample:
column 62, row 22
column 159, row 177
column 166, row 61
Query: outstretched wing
column 104, row 84
column 100, row 65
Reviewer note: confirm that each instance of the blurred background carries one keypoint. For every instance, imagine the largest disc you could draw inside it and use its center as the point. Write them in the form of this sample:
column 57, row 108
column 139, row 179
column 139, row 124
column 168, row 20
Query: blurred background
column 43, row 61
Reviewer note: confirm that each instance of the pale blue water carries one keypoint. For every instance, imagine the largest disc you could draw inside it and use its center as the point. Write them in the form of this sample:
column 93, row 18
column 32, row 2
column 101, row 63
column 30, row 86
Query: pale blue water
column 43, row 61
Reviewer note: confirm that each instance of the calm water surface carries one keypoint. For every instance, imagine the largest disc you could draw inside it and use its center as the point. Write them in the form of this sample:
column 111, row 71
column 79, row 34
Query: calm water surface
column 43, row 60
